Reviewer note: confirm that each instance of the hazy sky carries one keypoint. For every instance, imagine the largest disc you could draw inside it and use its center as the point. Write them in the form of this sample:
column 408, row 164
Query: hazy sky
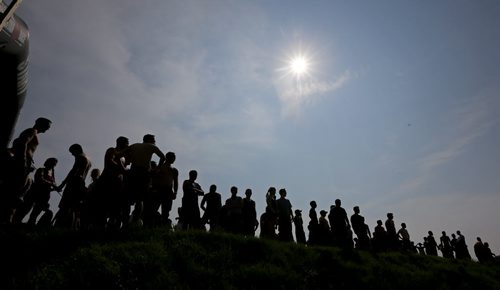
column 399, row 111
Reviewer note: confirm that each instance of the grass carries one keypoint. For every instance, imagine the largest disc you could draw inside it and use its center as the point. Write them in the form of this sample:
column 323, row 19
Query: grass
column 161, row 259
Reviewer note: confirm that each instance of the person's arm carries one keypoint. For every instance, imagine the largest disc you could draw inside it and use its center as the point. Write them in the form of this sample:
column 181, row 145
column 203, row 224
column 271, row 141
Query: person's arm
column 203, row 202
column 160, row 154
column 176, row 181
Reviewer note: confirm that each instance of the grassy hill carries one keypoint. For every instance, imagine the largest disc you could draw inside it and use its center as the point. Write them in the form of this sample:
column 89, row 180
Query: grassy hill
column 161, row 259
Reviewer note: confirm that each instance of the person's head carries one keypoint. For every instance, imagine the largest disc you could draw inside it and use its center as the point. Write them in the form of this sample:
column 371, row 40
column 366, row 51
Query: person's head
column 313, row 204
column 193, row 174
column 95, row 173
column 234, row 190
column 298, row 212
column 283, row 192
column 390, row 215
column 379, row 222
column 121, row 142
column 486, row 245
column 403, row 225
column 248, row 192
column 338, row 203
column 148, row 138
column 444, row 233
column 453, row 236
column 459, row 233
column 356, row 209
column 430, row 233
column 50, row 162
column 76, row 149
column 170, row 157
column 478, row 239
column 272, row 190
column 323, row 212
column 42, row 124
column 213, row 188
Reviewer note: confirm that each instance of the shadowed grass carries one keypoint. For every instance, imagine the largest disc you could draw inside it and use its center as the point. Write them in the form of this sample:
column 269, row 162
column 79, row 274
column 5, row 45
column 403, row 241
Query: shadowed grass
column 157, row 258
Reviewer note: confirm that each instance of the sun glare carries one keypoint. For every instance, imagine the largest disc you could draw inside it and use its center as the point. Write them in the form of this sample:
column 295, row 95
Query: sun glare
column 299, row 66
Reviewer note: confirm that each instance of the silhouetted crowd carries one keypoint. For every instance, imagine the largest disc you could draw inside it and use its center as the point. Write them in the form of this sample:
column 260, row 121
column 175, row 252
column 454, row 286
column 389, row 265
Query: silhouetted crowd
column 131, row 180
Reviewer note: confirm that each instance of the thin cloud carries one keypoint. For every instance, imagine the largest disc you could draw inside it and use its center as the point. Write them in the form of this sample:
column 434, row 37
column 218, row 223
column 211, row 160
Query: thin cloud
column 294, row 96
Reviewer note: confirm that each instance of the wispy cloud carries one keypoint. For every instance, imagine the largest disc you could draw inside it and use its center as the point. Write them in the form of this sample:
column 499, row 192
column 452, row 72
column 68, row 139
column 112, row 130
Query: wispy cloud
column 294, row 95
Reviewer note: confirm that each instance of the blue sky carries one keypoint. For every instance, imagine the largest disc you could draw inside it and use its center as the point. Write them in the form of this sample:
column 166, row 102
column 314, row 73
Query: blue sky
column 398, row 114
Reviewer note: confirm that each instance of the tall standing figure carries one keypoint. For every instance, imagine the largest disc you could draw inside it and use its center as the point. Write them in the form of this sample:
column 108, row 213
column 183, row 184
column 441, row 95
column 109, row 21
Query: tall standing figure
column 190, row 218
column 166, row 182
column 19, row 163
column 74, row 190
column 139, row 177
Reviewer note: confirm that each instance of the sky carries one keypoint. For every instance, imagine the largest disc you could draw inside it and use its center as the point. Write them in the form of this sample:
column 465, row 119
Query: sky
column 398, row 111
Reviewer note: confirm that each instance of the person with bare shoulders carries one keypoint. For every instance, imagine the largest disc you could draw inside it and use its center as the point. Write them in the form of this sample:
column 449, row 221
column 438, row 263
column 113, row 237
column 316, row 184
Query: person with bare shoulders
column 166, row 183
column 139, row 156
column 404, row 237
column 17, row 168
column 37, row 198
column 74, row 189
column 111, row 185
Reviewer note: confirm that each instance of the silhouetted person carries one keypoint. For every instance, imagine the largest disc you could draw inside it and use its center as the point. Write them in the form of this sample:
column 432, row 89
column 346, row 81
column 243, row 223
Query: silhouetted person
column 479, row 250
column 461, row 250
column 339, row 224
column 91, row 212
column 74, row 189
column 250, row 222
column 323, row 234
column 431, row 246
column 392, row 236
column 360, row 229
column 300, row 235
column 453, row 243
column 421, row 248
column 190, row 209
column 285, row 216
column 115, row 203
column 166, row 183
column 404, row 236
column 139, row 156
column 268, row 224
column 234, row 212
column 17, row 168
column 211, row 204
column 445, row 246
column 488, row 255
column 271, row 200
column 313, row 224
column 379, row 237
column 38, row 196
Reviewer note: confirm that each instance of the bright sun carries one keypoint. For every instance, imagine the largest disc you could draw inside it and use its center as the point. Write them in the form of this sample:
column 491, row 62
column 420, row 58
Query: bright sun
column 299, row 66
